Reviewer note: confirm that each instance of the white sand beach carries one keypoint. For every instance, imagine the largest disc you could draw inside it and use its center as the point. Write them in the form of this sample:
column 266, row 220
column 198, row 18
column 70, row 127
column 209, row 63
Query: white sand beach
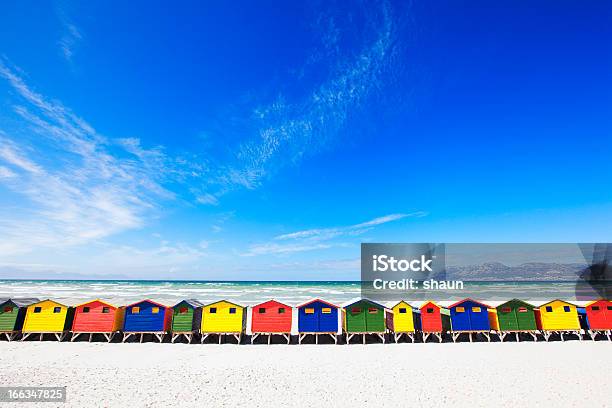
column 569, row 374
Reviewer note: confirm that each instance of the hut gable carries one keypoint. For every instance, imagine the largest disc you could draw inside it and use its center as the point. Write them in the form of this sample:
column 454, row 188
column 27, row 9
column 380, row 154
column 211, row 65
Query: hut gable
column 186, row 316
column 147, row 316
column 47, row 316
column 469, row 315
column 223, row 317
column 599, row 314
column 317, row 316
column 12, row 313
column 364, row 316
column 516, row 315
column 557, row 315
column 271, row 317
column 97, row 316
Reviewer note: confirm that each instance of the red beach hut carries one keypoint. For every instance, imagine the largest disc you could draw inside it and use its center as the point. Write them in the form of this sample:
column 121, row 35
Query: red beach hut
column 270, row 318
column 97, row 317
column 434, row 319
column 599, row 315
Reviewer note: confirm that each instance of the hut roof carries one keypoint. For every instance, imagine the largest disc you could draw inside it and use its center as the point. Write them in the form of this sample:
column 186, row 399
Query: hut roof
column 96, row 300
column 147, row 301
column 191, row 302
column 20, row 302
column 317, row 300
column 365, row 300
column 596, row 301
column 469, row 300
column 48, row 300
column 516, row 300
column 404, row 302
column 226, row 301
column 558, row 300
column 273, row 301
column 433, row 303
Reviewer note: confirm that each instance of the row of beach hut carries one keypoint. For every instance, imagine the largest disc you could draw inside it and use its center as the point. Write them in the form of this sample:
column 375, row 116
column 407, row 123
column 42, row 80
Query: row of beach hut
column 30, row 317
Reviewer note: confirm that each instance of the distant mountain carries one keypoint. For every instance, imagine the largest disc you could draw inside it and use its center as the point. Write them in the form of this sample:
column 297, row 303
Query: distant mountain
column 534, row 271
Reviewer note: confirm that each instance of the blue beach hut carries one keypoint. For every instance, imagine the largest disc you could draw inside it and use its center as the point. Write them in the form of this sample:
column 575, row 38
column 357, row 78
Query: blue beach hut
column 469, row 315
column 147, row 317
column 317, row 317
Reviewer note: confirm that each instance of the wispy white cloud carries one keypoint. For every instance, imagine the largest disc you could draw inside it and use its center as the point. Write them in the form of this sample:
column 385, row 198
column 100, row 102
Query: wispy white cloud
column 6, row 172
column 78, row 189
column 287, row 129
column 71, row 37
column 11, row 154
column 356, row 229
column 207, row 198
column 274, row 248
column 321, row 238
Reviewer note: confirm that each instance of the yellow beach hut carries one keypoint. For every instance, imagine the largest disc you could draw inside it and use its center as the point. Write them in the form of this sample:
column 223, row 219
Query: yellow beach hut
column 223, row 318
column 557, row 316
column 45, row 317
column 403, row 320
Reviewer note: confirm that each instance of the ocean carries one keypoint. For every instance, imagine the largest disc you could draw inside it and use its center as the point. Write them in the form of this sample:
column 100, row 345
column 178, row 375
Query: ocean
column 121, row 292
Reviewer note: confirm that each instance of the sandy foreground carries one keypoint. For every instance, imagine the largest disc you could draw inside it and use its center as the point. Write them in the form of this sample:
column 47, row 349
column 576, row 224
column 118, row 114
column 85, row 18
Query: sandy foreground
column 396, row 375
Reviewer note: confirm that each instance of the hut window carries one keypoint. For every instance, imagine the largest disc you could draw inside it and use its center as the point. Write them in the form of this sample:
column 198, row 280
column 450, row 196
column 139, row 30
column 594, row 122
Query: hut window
column 57, row 309
column 155, row 310
column 182, row 310
column 609, row 307
column 566, row 309
column 281, row 310
column 476, row 309
column 85, row 309
column 262, row 310
column 522, row 310
column 459, row 309
column 402, row 310
column 213, row 310
column 8, row 309
column 309, row 310
column 326, row 310
column 232, row 310
column 506, row 310
column 106, row 309
column 356, row 310
column 549, row 309
column 430, row 310
column 37, row 309
column 136, row 310
column 372, row 310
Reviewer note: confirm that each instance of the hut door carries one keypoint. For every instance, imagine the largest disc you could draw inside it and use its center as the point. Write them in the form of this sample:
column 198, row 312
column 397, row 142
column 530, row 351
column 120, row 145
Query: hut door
column 327, row 319
column 375, row 319
column 507, row 318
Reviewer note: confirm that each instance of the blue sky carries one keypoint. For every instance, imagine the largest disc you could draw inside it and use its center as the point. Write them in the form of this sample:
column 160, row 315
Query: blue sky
column 268, row 140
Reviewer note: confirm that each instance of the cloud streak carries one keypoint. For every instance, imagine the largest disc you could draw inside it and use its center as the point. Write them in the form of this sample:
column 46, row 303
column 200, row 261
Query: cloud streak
column 322, row 238
column 350, row 230
column 71, row 37
column 78, row 188
column 286, row 130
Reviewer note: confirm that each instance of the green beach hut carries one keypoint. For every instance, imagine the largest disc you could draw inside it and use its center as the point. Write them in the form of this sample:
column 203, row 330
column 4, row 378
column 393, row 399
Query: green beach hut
column 516, row 316
column 12, row 315
column 364, row 317
column 186, row 319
